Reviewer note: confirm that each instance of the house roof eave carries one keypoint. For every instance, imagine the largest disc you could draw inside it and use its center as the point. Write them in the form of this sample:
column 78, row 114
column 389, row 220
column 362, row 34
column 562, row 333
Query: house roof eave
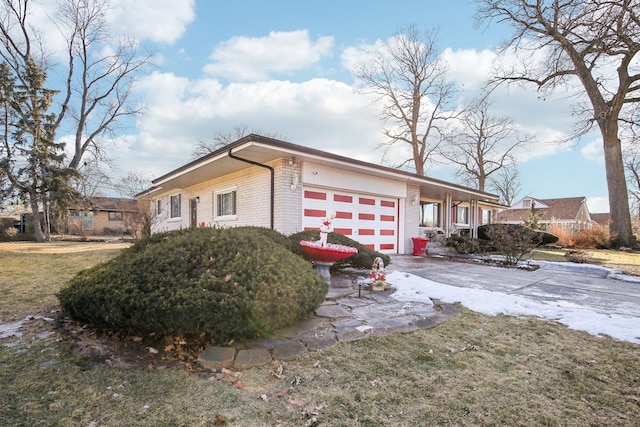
column 264, row 150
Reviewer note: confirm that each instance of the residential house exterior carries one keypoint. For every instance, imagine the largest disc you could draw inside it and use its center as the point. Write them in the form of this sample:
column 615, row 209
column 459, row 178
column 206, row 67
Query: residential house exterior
column 260, row 181
column 570, row 213
column 601, row 219
column 103, row 216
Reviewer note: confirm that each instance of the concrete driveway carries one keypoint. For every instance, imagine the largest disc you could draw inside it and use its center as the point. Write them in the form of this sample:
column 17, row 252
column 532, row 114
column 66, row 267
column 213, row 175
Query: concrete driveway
column 600, row 289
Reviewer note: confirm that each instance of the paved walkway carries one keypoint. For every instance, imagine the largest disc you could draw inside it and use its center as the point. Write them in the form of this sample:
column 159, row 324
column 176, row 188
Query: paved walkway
column 600, row 289
column 350, row 313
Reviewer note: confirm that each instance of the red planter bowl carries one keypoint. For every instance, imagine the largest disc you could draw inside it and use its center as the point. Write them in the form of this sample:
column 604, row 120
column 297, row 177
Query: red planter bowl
column 329, row 253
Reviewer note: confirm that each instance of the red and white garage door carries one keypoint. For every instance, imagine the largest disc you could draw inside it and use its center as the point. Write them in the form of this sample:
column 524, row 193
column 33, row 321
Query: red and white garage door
column 370, row 220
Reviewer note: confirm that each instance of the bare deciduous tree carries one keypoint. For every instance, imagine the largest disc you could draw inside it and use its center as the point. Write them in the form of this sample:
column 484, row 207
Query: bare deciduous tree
column 221, row 139
column 506, row 184
column 100, row 74
column 632, row 164
column 409, row 77
column 130, row 186
column 594, row 43
column 483, row 144
column 95, row 95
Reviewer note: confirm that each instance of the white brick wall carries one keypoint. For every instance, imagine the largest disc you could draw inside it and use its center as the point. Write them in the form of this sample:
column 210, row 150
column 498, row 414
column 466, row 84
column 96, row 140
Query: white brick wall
column 288, row 206
column 411, row 217
column 253, row 200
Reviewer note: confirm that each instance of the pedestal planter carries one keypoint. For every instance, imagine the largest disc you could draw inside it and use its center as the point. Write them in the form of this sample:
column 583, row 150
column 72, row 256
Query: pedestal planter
column 324, row 256
column 419, row 246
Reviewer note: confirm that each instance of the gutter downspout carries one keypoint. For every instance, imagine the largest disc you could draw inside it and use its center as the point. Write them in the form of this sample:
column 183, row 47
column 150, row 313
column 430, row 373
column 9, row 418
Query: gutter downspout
column 231, row 155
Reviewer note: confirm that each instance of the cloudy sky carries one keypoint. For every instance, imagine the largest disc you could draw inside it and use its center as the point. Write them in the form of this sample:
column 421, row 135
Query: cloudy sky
column 285, row 68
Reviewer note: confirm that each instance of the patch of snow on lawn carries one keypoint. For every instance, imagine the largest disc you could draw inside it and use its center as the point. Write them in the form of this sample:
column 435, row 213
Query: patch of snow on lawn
column 414, row 288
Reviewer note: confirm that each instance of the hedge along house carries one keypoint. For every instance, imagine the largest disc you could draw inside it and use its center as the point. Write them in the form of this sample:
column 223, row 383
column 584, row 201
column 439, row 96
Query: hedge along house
column 259, row 181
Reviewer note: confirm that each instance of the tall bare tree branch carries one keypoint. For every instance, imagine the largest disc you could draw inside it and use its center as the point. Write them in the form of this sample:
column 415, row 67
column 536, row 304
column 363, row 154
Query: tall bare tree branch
column 409, row 77
column 483, row 144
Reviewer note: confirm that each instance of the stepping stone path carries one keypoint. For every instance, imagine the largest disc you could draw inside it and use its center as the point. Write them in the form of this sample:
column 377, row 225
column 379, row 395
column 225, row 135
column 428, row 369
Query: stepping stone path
column 348, row 314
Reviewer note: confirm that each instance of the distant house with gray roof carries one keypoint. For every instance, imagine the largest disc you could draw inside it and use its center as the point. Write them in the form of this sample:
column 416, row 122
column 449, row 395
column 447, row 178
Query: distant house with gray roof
column 569, row 213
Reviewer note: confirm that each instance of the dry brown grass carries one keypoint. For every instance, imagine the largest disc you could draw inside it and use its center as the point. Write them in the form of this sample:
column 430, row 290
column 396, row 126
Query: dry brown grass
column 32, row 273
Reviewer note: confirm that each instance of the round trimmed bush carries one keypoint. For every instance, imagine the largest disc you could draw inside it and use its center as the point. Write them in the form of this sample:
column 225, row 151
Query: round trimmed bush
column 539, row 237
column 228, row 283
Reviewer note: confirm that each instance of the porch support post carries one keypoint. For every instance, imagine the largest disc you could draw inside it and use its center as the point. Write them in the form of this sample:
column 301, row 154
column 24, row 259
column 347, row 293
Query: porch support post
column 474, row 218
column 447, row 216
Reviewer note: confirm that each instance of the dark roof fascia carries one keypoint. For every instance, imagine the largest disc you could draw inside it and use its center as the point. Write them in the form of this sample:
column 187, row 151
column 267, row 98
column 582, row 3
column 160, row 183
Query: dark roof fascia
column 314, row 152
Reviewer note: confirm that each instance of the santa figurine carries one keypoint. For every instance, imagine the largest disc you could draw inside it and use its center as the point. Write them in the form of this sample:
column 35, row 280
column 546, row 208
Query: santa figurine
column 326, row 228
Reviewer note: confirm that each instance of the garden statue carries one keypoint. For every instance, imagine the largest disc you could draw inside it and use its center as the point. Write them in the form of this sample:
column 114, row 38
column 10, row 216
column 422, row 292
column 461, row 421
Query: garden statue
column 377, row 270
column 326, row 228
column 377, row 280
column 325, row 254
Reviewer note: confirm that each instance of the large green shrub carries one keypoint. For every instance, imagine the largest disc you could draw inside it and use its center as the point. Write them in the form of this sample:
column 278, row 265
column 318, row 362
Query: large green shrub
column 363, row 259
column 228, row 283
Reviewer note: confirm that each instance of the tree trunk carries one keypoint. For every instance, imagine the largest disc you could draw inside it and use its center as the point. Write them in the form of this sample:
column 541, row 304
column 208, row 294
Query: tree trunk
column 35, row 211
column 620, row 226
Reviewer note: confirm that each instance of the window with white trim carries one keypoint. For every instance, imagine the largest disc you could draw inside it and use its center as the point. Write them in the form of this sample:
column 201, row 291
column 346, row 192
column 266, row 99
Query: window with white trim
column 430, row 214
column 462, row 216
column 225, row 203
column 175, row 206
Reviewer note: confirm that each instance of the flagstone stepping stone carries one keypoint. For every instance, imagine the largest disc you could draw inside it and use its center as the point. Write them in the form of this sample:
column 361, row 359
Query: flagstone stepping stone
column 288, row 351
column 427, row 323
column 387, row 323
column 332, row 311
column 346, row 324
column 300, row 328
column 352, row 334
column 217, row 357
column 319, row 340
column 252, row 357
column 355, row 302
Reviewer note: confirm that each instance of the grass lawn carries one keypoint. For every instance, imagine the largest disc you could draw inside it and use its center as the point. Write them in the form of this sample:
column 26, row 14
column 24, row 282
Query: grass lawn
column 471, row 370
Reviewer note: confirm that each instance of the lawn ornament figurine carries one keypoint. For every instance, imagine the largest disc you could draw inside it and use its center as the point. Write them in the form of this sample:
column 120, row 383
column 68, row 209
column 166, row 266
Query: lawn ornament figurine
column 377, row 280
column 326, row 228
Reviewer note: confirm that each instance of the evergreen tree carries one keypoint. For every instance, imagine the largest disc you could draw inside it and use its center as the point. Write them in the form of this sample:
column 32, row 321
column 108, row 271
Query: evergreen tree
column 534, row 217
column 30, row 159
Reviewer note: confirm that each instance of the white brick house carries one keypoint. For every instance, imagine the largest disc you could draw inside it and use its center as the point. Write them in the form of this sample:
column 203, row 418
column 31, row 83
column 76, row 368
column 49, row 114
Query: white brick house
column 266, row 182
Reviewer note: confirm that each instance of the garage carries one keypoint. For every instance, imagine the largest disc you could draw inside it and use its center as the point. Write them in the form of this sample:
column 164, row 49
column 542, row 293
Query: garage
column 368, row 219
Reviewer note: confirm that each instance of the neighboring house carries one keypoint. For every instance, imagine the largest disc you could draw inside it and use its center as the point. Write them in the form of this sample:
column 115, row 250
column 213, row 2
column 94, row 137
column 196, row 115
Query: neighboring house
column 571, row 213
column 259, row 181
column 601, row 219
column 103, row 216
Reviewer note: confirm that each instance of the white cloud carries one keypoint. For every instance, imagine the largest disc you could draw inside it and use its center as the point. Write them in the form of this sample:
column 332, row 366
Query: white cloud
column 469, row 68
column 598, row 204
column 318, row 113
column 353, row 57
column 593, row 151
column 256, row 58
column 160, row 21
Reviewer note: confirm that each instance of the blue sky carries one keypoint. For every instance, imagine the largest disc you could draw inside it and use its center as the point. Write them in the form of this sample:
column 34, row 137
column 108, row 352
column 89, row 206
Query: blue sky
column 283, row 67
